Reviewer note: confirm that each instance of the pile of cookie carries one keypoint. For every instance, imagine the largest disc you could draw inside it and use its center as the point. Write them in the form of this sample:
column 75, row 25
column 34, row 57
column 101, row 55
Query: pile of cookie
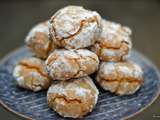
column 72, row 45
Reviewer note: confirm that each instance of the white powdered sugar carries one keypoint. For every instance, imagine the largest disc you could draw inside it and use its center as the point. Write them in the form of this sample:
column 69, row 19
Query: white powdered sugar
column 19, row 78
column 30, row 74
column 64, row 88
column 107, row 68
column 41, row 27
column 90, row 81
column 114, row 42
column 58, row 88
column 110, row 52
column 71, row 64
column 138, row 71
column 124, row 69
column 87, row 53
column 82, row 92
column 122, row 78
column 76, row 26
column 112, row 31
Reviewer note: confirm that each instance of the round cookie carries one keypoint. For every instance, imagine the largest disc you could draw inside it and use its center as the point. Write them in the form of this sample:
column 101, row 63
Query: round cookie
column 74, row 27
column 114, row 43
column 66, row 64
column 30, row 73
column 122, row 78
column 38, row 40
column 74, row 98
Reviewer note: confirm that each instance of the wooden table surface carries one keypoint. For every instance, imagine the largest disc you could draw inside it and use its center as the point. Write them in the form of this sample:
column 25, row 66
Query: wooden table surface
column 142, row 16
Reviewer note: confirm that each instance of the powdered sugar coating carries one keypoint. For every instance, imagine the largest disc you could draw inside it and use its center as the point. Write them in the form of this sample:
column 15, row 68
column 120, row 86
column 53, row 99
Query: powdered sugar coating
column 74, row 27
column 66, row 64
column 80, row 92
column 122, row 78
column 31, row 74
column 38, row 40
column 114, row 43
column 41, row 27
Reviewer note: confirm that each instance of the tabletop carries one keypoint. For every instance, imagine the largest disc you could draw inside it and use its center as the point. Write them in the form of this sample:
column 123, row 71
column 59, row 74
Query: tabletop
column 142, row 16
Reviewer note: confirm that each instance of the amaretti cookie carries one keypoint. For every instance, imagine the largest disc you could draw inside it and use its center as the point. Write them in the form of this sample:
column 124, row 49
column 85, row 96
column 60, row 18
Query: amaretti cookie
column 66, row 64
column 30, row 73
column 122, row 78
column 114, row 43
column 73, row 98
column 74, row 27
column 38, row 40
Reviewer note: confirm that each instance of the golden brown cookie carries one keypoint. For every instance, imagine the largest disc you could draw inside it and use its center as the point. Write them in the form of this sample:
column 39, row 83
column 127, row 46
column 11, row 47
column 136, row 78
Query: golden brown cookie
column 74, row 27
column 114, row 43
column 30, row 73
column 73, row 98
column 122, row 78
column 66, row 64
column 38, row 40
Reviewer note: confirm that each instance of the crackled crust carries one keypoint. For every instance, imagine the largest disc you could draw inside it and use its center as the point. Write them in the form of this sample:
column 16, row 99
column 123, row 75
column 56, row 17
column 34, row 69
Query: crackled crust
column 121, row 78
column 74, row 27
column 66, row 64
column 73, row 98
column 38, row 40
column 30, row 73
column 114, row 43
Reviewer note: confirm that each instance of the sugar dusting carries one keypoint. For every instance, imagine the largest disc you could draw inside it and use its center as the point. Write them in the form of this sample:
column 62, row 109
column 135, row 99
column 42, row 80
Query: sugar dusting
column 63, row 88
column 128, row 68
column 63, row 63
column 41, row 27
column 67, row 23
column 113, row 41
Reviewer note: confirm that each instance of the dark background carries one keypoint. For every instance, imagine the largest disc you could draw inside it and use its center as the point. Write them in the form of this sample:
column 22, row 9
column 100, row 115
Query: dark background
column 143, row 17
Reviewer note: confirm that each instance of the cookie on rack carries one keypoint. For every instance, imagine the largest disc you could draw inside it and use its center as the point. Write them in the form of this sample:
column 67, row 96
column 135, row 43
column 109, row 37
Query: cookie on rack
column 38, row 40
column 66, row 64
column 122, row 78
column 114, row 43
column 30, row 73
column 73, row 98
column 74, row 27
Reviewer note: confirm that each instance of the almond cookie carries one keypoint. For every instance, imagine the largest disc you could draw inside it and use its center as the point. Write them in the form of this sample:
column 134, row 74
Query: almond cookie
column 122, row 78
column 66, row 64
column 74, row 27
column 114, row 43
column 38, row 40
column 30, row 73
column 73, row 98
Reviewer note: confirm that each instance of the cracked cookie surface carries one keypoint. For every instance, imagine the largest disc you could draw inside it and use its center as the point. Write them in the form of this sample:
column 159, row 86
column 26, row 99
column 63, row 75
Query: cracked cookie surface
column 122, row 78
column 30, row 73
column 66, row 64
column 74, row 27
column 38, row 40
column 114, row 42
column 73, row 98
